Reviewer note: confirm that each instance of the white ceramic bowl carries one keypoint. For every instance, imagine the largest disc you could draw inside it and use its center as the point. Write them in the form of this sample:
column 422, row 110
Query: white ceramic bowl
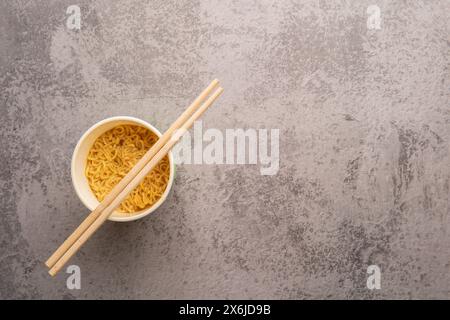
column 78, row 167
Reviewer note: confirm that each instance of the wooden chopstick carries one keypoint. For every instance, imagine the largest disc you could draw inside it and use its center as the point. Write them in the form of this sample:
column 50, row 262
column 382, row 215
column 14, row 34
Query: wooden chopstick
column 133, row 184
column 130, row 176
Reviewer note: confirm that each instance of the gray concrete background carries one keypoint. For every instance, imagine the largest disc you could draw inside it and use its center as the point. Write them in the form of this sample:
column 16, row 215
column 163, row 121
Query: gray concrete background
column 364, row 119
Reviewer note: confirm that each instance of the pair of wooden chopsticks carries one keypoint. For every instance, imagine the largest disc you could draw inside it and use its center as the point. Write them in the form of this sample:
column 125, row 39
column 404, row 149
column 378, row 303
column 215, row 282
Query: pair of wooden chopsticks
column 142, row 168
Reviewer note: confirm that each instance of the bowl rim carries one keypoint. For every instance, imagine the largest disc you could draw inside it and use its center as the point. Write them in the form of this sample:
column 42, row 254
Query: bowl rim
column 139, row 122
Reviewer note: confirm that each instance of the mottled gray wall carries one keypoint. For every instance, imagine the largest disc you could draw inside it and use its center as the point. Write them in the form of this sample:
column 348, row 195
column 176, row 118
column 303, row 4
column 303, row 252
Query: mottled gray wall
column 364, row 119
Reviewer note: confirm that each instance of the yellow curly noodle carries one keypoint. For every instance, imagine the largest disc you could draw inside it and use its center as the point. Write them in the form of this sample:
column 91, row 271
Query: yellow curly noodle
column 113, row 154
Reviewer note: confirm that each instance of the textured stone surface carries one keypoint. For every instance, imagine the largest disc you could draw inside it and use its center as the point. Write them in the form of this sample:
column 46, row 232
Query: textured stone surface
column 364, row 119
